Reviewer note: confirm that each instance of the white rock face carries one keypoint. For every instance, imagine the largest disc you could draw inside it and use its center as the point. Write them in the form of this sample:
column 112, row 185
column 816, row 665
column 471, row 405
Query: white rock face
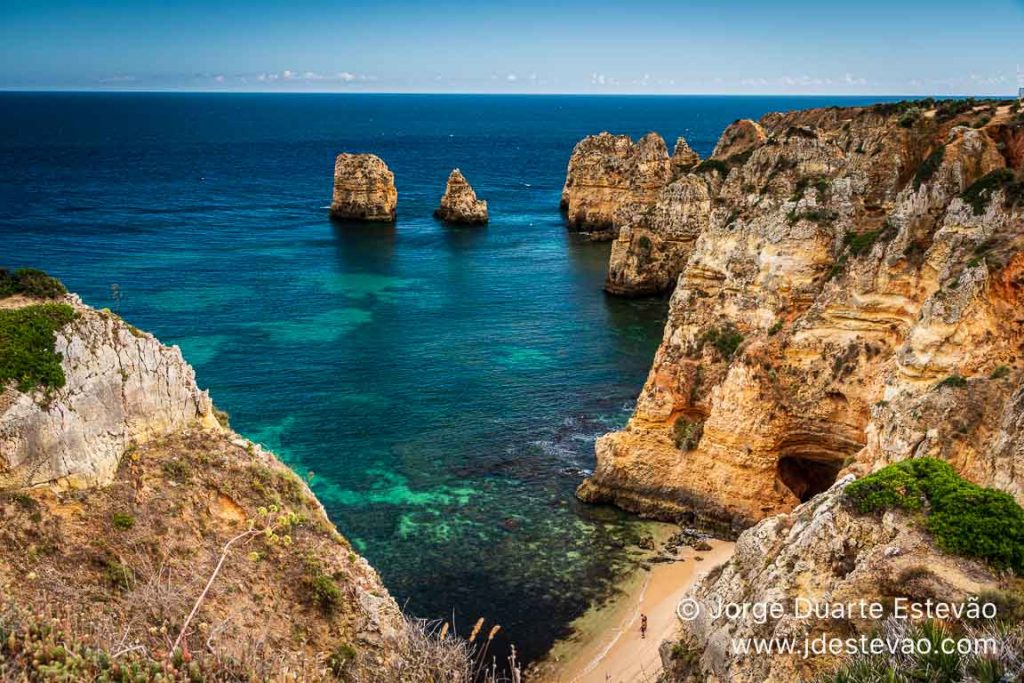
column 122, row 386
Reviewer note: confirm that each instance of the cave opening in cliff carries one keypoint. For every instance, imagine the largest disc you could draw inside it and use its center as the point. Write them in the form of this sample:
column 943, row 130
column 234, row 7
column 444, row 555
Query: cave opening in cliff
column 806, row 477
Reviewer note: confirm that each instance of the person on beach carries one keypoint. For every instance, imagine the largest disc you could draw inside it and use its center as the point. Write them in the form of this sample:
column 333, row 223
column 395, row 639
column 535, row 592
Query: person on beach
column 643, row 626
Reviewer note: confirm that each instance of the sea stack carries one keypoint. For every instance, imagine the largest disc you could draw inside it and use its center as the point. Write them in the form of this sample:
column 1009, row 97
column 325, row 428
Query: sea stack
column 610, row 176
column 364, row 189
column 460, row 204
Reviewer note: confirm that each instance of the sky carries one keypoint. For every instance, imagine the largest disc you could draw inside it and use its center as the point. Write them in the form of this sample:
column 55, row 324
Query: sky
column 889, row 47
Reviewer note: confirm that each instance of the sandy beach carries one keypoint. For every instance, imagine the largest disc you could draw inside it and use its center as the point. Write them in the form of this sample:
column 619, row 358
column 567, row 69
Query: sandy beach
column 607, row 647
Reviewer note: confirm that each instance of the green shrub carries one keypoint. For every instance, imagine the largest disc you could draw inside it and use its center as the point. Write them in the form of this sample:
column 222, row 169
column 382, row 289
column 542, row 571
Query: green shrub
column 774, row 329
column 953, row 381
column 122, row 521
column 725, row 339
column 177, row 470
column 964, row 518
column 909, row 117
column 929, row 166
column 686, row 434
column 859, row 243
column 1000, row 372
column 321, row 588
column 979, row 194
column 30, row 282
column 339, row 659
column 27, row 340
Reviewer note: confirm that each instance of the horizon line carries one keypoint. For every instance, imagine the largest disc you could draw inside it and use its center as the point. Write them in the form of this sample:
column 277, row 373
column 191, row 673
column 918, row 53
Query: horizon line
column 171, row 91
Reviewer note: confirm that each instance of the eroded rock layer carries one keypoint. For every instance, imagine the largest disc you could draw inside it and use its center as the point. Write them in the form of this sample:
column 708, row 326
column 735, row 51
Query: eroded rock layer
column 850, row 292
column 364, row 189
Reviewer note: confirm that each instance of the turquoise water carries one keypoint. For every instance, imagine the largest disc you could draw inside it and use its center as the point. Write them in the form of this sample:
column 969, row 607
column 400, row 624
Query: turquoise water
column 445, row 386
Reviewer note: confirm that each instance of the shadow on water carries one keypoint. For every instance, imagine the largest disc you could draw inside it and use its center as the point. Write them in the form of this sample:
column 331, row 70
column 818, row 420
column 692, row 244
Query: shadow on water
column 364, row 245
column 461, row 237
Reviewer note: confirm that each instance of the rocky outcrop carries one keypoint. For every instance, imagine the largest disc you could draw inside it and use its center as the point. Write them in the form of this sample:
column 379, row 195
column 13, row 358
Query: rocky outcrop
column 652, row 248
column 683, row 157
column 853, row 298
column 123, row 387
column 822, row 553
column 364, row 189
column 609, row 177
column 459, row 204
column 742, row 137
column 166, row 500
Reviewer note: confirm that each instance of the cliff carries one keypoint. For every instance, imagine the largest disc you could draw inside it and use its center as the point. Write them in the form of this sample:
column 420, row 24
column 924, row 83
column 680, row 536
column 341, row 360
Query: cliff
column 826, row 553
column 123, row 497
column 608, row 177
column 850, row 293
column 364, row 188
column 459, row 204
column 122, row 387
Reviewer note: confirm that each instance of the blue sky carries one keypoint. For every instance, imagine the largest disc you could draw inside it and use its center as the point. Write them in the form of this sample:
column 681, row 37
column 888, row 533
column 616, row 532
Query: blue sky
column 526, row 46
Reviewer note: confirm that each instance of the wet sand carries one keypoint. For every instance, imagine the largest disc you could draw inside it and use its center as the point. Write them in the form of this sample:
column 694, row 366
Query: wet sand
column 607, row 647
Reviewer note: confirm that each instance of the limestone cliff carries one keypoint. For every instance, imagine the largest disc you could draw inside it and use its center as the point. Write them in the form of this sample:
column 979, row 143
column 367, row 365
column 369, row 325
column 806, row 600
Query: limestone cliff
column 123, row 497
column 820, row 553
column 364, row 188
column 850, row 293
column 608, row 177
column 123, row 386
column 459, row 203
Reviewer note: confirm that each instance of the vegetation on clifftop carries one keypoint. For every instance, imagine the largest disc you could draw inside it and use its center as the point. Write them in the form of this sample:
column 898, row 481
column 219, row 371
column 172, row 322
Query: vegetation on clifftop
column 964, row 518
column 980, row 193
column 27, row 339
column 30, row 282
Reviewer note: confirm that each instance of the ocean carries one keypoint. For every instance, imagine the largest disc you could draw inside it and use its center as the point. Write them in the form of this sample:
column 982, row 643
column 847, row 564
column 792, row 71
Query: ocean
column 443, row 387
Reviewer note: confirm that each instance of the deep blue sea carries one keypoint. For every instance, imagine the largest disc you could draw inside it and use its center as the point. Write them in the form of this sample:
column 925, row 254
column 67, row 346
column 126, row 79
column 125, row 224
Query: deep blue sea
column 445, row 386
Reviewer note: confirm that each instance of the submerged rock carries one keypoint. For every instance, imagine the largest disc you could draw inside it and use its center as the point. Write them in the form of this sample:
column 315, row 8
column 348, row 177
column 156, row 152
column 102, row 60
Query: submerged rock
column 459, row 203
column 364, row 188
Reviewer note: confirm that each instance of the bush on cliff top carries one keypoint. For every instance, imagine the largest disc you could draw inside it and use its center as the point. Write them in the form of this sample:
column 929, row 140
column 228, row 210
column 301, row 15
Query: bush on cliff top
column 964, row 518
column 980, row 192
column 30, row 282
column 26, row 346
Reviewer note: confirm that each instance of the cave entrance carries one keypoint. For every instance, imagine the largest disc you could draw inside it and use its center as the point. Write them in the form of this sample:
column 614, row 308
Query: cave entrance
column 806, row 477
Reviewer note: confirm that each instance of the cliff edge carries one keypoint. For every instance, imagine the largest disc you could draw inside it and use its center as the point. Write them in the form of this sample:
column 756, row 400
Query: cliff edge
column 128, row 505
column 850, row 294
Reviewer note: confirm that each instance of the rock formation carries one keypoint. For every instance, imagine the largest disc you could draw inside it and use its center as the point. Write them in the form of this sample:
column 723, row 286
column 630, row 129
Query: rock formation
column 822, row 552
column 609, row 177
column 364, row 188
column 850, row 293
column 459, row 203
column 123, row 386
column 167, row 498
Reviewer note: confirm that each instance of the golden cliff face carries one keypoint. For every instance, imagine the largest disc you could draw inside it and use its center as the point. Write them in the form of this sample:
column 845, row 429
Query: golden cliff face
column 850, row 293
column 608, row 177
